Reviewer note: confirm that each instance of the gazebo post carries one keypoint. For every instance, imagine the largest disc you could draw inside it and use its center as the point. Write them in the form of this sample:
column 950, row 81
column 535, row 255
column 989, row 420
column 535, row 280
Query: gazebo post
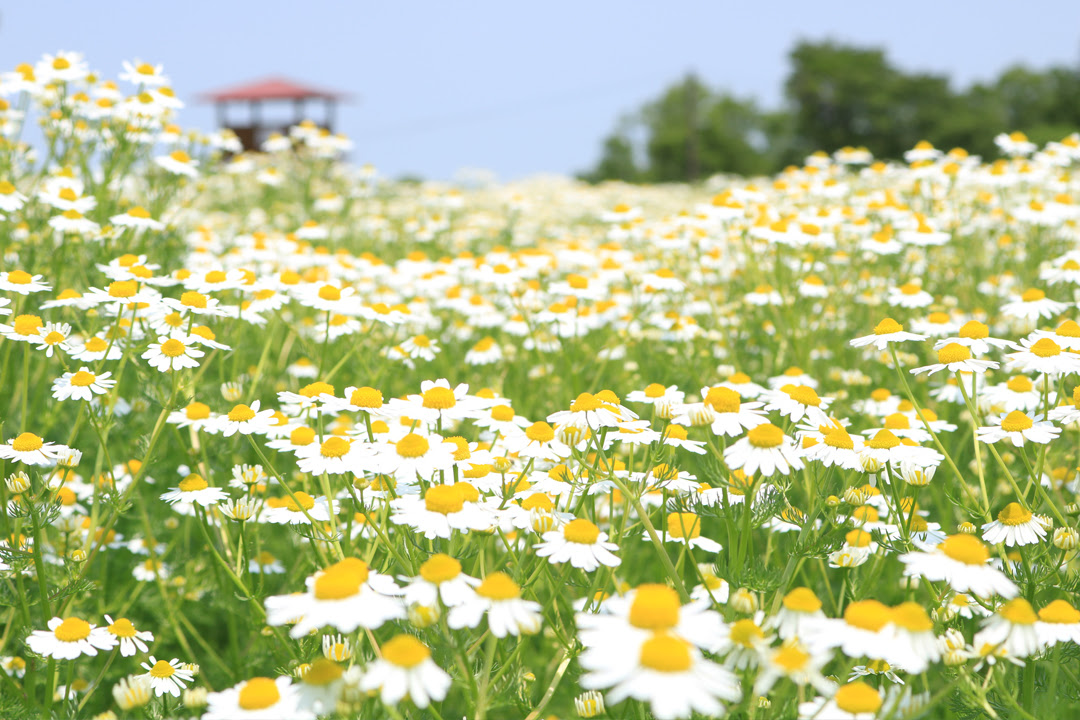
column 272, row 89
column 331, row 106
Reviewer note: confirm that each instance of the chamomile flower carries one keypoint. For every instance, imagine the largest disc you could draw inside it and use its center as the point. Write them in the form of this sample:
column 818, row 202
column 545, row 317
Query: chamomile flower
column 955, row 357
column 963, row 562
column 854, row 701
column 796, row 402
column 193, row 489
column 442, row 510
column 765, row 450
column 579, row 542
column 1058, row 622
column 1013, row 628
column 260, row 698
column 1032, row 305
column 685, row 528
column 167, row 677
column 800, row 607
column 1015, row 525
column 30, row 449
column 172, row 354
column 245, row 420
column 130, row 639
column 1018, row 428
column 499, row 597
column 885, row 332
column 67, row 639
column 298, row 509
column 82, row 385
column 22, row 282
column 1043, row 356
column 345, row 596
column 440, row 578
column 671, row 675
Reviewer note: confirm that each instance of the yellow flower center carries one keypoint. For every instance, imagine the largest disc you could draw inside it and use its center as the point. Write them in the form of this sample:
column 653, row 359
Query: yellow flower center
column 581, row 531
column 83, row 379
column 502, row 413
column 27, row 442
column 666, row 653
column 139, row 212
column 123, row 288
column 172, row 348
column 335, row 447
column 405, row 651
column 802, row 599
column 912, row 616
column 655, row 607
column 839, row 437
column 953, row 353
column 316, row 388
column 193, row 483
column 766, row 435
column 498, row 586
column 162, row 669
column 858, row 538
column 1060, row 612
column 655, row 390
column 967, row 549
column 439, row 568
column 303, row 501
column 791, row 657
column 723, row 400
column 193, row 299
column 329, row 292
column 888, row 326
column 883, row 440
column 898, row 421
column 1014, row 514
column 124, row 629
column 258, row 694
column 341, row 580
column 683, row 525
column 1069, row 328
column 27, row 325
column 366, row 397
column 302, row 436
column 180, row 156
column 746, row 633
column 1045, row 348
column 1019, row 384
column 540, row 432
column 323, row 672
column 412, row 445
column 1019, row 612
column 858, row 697
column 974, row 330
column 867, row 615
column 585, row 402
column 803, row 394
column 72, row 630
column 1032, row 295
column 241, row 413
column 444, row 499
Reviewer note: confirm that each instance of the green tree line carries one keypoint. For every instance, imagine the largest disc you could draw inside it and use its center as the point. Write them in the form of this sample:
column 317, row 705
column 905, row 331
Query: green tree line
column 835, row 96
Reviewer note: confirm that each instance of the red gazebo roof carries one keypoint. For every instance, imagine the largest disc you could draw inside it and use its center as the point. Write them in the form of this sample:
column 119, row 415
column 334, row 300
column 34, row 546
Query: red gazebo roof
column 271, row 88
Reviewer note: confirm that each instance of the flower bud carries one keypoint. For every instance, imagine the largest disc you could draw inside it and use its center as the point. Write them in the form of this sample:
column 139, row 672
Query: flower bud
column 195, row 697
column 589, row 704
column 18, row 483
column 966, row 528
column 743, row 601
column 1066, row 538
column 423, row 616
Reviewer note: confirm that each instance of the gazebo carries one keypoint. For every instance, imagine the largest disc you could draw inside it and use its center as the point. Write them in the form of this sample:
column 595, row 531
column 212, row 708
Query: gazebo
column 270, row 91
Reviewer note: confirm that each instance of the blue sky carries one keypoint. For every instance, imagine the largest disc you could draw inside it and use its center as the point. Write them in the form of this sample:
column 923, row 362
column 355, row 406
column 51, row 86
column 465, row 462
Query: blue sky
column 519, row 88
